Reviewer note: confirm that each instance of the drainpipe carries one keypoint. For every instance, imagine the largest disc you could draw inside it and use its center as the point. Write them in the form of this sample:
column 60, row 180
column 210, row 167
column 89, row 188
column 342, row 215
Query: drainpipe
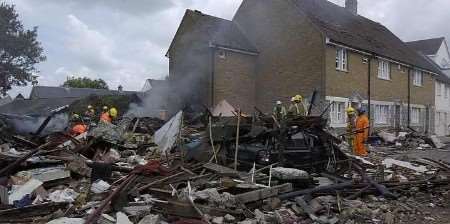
column 213, row 54
column 369, row 68
column 409, row 98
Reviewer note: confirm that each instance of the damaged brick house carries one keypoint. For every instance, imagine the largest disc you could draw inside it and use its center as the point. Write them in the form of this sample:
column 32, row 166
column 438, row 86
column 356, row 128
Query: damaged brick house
column 274, row 49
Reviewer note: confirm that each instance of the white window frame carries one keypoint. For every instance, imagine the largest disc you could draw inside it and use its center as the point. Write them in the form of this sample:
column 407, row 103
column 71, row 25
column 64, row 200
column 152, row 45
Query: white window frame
column 438, row 89
column 382, row 114
column 447, row 90
column 384, row 70
column 415, row 115
column 418, row 78
column 337, row 113
column 341, row 59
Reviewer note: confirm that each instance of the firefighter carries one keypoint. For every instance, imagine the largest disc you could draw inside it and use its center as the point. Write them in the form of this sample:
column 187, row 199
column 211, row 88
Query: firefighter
column 362, row 133
column 90, row 112
column 297, row 108
column 78, row 126
column 351, row 112
column 279, row 111
column 104, row 116
column 113, row 113
column 109, row 115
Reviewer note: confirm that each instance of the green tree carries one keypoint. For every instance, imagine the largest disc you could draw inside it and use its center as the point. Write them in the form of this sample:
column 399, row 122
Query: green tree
column 19, row 50
column 85, row 82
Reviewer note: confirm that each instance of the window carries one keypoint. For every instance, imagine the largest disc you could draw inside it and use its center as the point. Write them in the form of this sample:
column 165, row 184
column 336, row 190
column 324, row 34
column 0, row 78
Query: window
column 341, row 59
column 384, row 71
column 438, row 89
column 444, row 63
column 382, row 114
column 447, row 90
column 415, row 115
column 337, row 113
column 418, row 78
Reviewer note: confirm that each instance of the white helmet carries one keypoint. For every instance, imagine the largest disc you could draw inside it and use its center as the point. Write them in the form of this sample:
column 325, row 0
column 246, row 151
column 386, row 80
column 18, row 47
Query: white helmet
column 279, row 102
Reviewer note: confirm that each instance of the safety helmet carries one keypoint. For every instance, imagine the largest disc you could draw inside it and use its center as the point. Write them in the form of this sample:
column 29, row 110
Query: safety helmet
column 90, row 107
column 105, row 108
column 293, row 99
column 298, row 98
column 361, row 110
column 75, row 117
column 350, row 110
column 279, row 102
column 113, row 112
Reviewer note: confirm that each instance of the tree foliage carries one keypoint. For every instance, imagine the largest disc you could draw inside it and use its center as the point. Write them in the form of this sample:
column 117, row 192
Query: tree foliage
column 85, row 82
column 19, row 50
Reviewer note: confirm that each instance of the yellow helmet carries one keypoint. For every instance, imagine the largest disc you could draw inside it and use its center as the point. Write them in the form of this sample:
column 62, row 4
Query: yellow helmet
column 113, row 112
column 350, row 110
column 298, row 98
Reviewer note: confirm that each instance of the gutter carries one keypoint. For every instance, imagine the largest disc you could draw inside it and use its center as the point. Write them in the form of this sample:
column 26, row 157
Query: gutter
column 236, row 50
column 330, row 42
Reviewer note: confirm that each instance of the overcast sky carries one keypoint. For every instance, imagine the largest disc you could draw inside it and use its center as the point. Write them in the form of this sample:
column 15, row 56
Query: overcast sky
column 124, row 41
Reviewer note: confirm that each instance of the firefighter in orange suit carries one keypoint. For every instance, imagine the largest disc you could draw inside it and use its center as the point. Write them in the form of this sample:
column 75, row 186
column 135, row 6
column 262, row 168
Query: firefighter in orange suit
column 362, row 133
column 78, row 126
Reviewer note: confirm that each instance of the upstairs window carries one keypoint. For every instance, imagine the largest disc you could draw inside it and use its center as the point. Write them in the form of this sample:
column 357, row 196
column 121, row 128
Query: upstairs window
column 384, row 70
column 341, row 59
column 438, row 89
column 447, row 90
column 418, row 78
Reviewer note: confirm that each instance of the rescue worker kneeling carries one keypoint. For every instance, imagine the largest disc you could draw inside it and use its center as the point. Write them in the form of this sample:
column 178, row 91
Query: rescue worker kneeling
column 78, row 127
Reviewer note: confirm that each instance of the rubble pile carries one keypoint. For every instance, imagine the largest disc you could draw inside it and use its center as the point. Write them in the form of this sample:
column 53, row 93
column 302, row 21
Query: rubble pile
column 409, row 140
column 245, row 170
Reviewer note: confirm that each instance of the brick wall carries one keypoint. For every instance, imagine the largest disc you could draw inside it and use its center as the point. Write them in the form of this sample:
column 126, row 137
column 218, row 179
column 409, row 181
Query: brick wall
column 393, row 90
column 291, row 51
column 234, row 79
column 425, row 94
column 345, row 84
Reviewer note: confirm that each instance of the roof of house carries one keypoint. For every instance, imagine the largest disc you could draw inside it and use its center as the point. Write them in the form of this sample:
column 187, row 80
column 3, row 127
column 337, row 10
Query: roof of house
column 220, row 32
column 341, row 26
column 5, row 100
column 428, row 46
column 442, row 77
column 51, row 92
column 34, row 107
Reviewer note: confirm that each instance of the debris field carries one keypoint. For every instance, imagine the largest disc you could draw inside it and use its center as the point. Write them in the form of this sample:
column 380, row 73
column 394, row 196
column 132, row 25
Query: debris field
column 217, row 169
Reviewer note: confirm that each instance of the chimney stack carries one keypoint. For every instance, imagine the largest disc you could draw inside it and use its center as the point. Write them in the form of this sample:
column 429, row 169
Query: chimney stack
column 352, row 6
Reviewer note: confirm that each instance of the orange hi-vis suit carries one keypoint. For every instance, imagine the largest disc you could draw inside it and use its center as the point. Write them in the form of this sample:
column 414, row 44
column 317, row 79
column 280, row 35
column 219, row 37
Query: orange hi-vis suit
column 79, row 129
column 362, row 124
column 105, row 117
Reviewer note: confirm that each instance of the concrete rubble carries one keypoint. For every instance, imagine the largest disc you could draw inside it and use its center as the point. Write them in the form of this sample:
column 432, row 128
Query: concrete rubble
column 188, row 171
